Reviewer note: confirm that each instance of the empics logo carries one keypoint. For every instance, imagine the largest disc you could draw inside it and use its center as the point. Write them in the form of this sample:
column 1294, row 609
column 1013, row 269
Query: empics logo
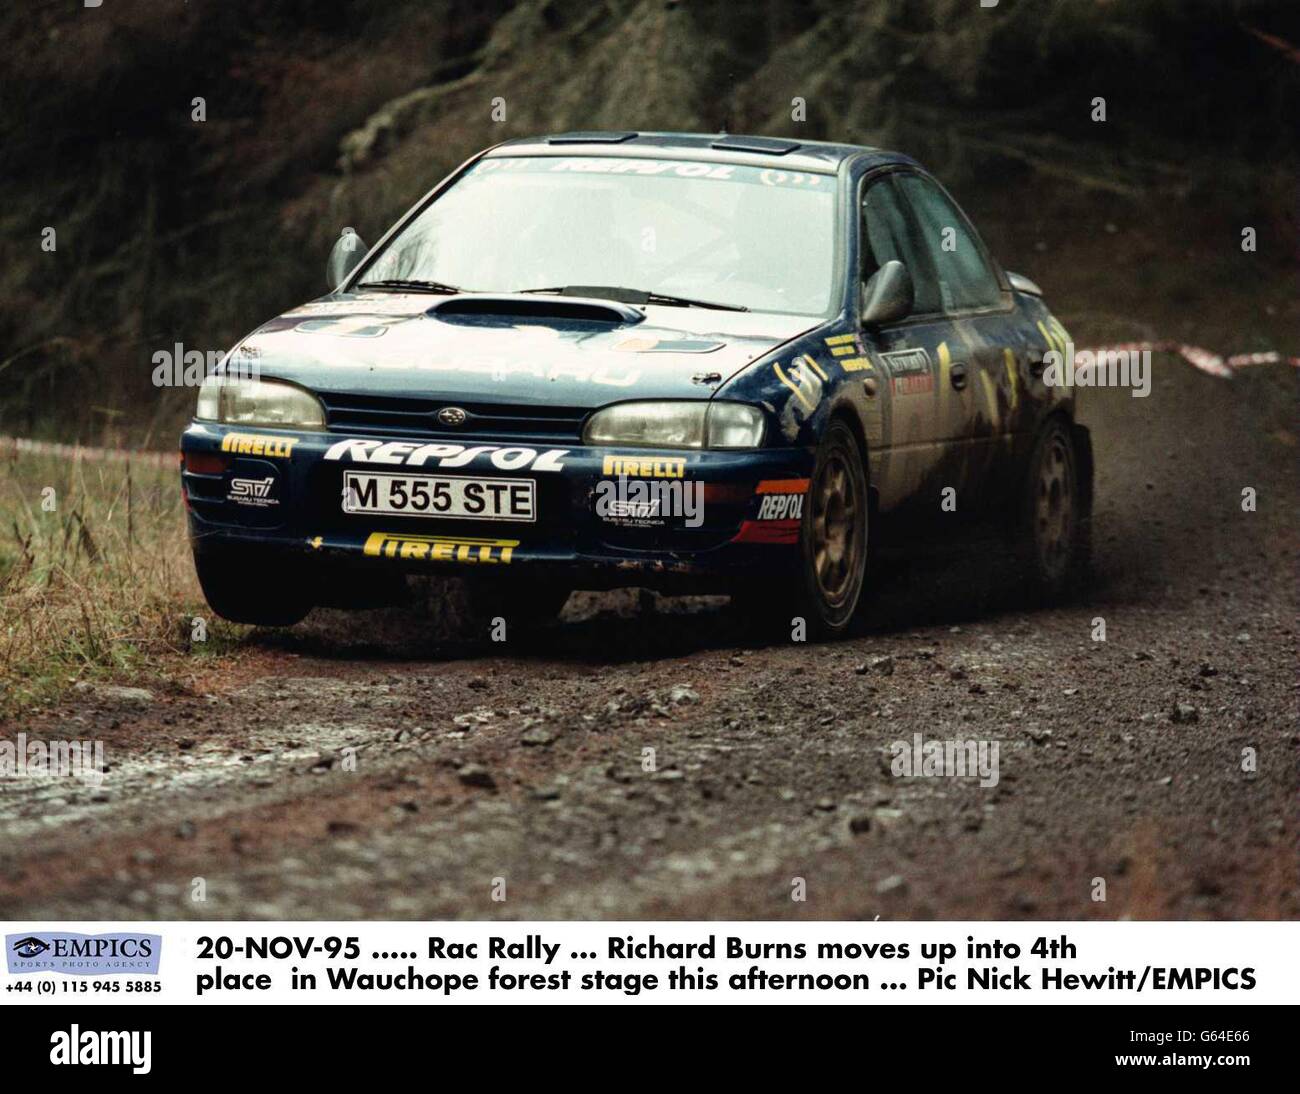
column 106, row 1048
column 31, row 946
column 83, row 954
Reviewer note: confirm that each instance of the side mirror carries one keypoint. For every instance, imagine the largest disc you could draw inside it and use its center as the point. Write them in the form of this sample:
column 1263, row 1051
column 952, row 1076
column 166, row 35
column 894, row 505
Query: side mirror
column 888, row 295
column 346, row 256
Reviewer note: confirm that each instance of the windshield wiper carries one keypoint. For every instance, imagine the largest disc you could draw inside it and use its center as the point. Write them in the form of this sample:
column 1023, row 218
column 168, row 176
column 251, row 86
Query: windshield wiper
column 635, row 296
column 399, row 284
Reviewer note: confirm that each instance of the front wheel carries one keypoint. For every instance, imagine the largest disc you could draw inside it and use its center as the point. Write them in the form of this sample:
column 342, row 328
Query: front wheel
column 826, row 587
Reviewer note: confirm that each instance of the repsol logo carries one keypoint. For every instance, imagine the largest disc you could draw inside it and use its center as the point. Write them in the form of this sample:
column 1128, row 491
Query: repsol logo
column 412, row 454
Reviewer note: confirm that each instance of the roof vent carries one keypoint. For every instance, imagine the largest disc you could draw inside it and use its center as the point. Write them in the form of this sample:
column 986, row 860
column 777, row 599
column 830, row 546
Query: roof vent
column 768, row 146
column 594, row 137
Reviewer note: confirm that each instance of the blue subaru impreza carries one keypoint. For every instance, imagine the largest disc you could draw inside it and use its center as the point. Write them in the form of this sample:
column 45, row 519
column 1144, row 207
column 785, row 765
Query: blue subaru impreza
column 686, row 362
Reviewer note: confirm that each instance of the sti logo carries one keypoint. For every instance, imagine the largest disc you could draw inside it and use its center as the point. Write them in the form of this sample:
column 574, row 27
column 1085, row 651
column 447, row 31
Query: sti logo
column 83, row 954
column 255, row 492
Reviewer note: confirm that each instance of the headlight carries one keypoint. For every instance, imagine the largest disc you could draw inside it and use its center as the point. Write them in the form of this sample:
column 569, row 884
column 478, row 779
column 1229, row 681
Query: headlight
column 677, row 425
column 258, row 402
column 734, row 425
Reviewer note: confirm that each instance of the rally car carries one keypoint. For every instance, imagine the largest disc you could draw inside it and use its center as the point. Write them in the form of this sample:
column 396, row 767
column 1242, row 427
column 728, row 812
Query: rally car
column 683, row 362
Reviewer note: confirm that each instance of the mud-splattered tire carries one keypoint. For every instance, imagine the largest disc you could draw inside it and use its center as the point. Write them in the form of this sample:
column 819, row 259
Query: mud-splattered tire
column 258, row 591
column 1052, row 529
column 826, row 587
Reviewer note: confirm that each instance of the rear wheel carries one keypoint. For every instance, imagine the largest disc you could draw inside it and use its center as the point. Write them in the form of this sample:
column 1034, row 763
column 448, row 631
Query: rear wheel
column 245, row 588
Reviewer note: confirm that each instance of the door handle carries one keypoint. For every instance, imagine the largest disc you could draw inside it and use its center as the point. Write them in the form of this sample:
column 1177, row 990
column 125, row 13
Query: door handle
column 957, row 374
column 1036, row 364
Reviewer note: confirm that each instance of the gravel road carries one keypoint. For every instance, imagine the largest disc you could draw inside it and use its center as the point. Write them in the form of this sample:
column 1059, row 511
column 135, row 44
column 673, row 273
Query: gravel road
column 365, row 767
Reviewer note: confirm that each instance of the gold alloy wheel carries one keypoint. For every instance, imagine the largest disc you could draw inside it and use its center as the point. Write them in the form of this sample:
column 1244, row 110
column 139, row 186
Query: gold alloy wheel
column 1054, row 508
column 836, row 538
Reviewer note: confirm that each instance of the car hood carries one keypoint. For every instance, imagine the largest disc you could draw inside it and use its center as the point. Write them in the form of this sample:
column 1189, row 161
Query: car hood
column 400, row 345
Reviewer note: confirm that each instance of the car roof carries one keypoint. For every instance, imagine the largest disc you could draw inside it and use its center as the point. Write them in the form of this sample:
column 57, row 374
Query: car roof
column 823, row 157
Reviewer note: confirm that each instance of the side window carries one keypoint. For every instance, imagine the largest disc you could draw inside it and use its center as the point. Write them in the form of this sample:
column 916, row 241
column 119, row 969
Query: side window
column 887, row 234
column 963, row 278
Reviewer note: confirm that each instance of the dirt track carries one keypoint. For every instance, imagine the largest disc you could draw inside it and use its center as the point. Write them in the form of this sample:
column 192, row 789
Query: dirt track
column 524, row 761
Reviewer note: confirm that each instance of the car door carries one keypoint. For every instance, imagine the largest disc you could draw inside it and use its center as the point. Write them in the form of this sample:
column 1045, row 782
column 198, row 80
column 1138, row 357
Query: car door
column 979, row 373
column 927, row 404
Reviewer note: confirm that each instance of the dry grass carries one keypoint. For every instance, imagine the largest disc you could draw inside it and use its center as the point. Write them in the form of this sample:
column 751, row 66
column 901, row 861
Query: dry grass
column 96, row 580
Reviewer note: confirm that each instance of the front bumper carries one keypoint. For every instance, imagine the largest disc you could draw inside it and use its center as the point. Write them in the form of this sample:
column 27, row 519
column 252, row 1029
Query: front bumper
column 276, row 490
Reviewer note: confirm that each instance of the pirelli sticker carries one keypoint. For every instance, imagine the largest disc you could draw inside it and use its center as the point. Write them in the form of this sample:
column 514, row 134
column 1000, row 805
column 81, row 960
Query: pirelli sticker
column 440, row 548
column 849, row 352
column 258, row 444
column 910, row 371
column 645, row 467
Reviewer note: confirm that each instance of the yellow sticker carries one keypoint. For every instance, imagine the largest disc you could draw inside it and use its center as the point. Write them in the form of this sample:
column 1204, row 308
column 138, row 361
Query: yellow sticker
column 258, row 444
column 990, row 397
column 812, row 364
column 1013, row 377
column 440, row 548
column 645, row 467
column 792, row 386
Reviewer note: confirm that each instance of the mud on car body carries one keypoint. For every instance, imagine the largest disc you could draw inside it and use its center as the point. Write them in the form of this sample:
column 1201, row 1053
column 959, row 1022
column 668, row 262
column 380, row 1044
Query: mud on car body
column 808, row 340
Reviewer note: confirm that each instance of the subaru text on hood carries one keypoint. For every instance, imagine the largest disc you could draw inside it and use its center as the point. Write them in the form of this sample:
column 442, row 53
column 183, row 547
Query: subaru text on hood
column 692, row 363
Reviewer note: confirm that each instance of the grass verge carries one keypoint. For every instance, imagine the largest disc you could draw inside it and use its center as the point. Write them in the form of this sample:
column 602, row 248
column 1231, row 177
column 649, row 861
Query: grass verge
column 96, row 580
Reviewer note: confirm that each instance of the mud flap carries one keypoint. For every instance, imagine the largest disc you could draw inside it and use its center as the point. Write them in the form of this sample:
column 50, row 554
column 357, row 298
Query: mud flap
column 1082, row 438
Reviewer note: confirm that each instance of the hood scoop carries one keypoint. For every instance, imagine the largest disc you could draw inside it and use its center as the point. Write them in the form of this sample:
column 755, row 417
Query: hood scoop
column 507, row 309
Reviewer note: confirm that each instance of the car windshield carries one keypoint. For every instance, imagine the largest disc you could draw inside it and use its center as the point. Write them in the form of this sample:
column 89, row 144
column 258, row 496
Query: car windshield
column 742, row 237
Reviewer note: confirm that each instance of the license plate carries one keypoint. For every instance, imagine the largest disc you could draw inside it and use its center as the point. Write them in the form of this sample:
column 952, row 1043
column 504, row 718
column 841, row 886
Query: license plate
column 439, row 496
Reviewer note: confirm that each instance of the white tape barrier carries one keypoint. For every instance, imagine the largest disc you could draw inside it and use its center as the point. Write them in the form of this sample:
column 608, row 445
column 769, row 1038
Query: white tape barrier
column 1203, row 359
column 26, row 447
